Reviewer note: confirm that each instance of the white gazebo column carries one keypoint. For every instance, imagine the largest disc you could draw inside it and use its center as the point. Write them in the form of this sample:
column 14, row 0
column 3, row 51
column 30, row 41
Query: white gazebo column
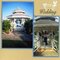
column 52, row 44
column 38, row 40
column 11, row 26
column 23, row 21
column 14, row 23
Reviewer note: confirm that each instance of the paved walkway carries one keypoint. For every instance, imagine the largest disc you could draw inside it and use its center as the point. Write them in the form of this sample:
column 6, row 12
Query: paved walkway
column 10, row 36
column 46, row 52
column 17, row 36
column 16, row 40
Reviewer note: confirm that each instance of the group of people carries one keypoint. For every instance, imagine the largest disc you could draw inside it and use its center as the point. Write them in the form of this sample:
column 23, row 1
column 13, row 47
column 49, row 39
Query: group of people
column 45, row 35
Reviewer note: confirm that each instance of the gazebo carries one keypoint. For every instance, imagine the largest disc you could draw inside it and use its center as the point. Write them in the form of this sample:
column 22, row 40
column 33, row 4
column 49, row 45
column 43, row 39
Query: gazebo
column 18, row 19
column 44, row 24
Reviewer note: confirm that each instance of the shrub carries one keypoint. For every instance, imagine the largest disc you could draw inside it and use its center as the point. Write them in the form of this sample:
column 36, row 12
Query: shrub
column 6, row 26
column 28, row 26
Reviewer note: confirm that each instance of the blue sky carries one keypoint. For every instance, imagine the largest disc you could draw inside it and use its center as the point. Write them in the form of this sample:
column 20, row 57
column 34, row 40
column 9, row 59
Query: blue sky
column 9, row 7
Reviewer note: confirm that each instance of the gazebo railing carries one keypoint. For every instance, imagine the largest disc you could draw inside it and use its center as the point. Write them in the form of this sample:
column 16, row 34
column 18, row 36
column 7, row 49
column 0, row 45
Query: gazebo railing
column 35, row 42
column 55, row 43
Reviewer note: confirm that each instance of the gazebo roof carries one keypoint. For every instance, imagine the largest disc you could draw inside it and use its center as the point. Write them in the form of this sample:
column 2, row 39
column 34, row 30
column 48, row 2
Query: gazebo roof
column 45, row 18
column 43, row 23
column 18, row 11
column 18, row 14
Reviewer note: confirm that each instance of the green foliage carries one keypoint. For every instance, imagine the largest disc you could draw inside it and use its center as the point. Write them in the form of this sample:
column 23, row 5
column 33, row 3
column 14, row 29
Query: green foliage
column 6, row 25
column 28, row 26
column 35, row 33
